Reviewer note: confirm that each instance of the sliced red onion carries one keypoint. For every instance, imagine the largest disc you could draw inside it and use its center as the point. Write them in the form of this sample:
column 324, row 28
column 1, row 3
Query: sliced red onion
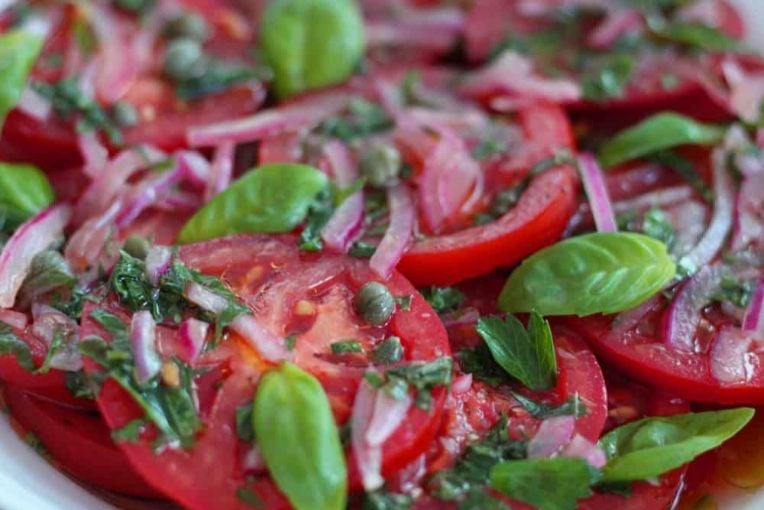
column 661, row 198
column 204, row 298
column 86, row 245
column 381, row 34
column 346, row 223
column 257, row 126
column 462, row 317
column 552, row 435
column 146, row 192
column 32, row 237
column 684, row 315
column 116, row 63
column 689, row 219
column 746, row 91
column 192, row 335
column 270, row 346
column 195, row 168
column 596, row 191
column 753, row 320
column 179, row 201
column 749, row 224
column 14, row 319
column 399, row 232
column 617, row 22
column 721, row 221
column 512, row 74
column 48, row 322
column 461, row 384
column 158, row 261
column 388, row 414
column 33, row 104
column 731, row 359
column 95, row 155
column 630, row 319
column 581, row 448
column 143, row 341
column 253, row 461
column 221, row 170
column 368, row 458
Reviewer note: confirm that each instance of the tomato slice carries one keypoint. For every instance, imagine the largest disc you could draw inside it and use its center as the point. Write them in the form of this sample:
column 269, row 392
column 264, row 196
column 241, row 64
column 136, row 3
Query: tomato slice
column 79, row 442
column 310, row 296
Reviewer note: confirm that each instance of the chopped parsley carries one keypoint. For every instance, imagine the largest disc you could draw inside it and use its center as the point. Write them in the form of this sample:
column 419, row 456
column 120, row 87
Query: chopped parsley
column 404, row 302
column 318, row 215
column 130, row 432
column 384, row 500
column 249, row 497
column 346, row 347
column 736, row 291
column 362, row 250
column 360, row 120
column 388, row 351
column 573, row 406
column 244, row 428
column 13, row 345
column 443, row 299
column 421, row 376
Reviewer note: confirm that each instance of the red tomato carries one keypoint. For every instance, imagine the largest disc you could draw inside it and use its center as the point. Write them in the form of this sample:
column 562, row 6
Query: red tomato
column 309, row 295
column 79, row 442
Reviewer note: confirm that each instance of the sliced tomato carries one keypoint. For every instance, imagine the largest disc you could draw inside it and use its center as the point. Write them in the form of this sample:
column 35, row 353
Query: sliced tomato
column 310, row 296
column 78, row 442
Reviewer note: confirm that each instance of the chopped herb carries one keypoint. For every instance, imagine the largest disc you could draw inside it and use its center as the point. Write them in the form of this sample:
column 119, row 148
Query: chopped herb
column 361, row 120
column 244, row 428
column 34, row 441
column 527, row 355
column 422, row 376
column 656, row 224
column 290, row 341
column 362, row 250
column 698, row 36
column 318, row 215
column 138, row 7
column 686, row 171
column 81, row 385
column 130, row 432
column 574, row 406
column 404, row 302
column 384, row 500
column 346, row 347
column 248, row 497
column 68, row 101
column 72, row 304
column 49, row 272
column 216, row 76
column 736, row 291
column 488, row 148
column 443, row 299
column 608, row 77
column 388, row 351
column 560, row 157
column 470, row 474
column 58, row 343
column 479, row 362
column 13, row 345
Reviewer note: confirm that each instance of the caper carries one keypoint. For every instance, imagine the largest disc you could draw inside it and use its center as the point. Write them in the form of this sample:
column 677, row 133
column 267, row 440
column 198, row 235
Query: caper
column 186, row 24
column 381, row 165
column 183, row 59
column 124, row 113
column 374, row 303
column 137, row 246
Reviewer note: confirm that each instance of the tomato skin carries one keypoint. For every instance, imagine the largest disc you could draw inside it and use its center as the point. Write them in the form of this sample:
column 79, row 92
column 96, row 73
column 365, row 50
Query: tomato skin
column 687, row 375
column 23, row 136
column 537, row 221
column 80, row 442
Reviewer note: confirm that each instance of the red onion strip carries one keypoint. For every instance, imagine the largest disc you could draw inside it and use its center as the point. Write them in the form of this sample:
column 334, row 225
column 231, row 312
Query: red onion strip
column 753, row 320
column 158, row 261
column 399, row 233
column 346, row 222
column 596, row 191
column 221, row 170
column 368, row 458
column 730, row 357
column 684, row 315
column 16, row 320
column 192, row 335
column 143, row 341
column 552, row 435
column 32, row 237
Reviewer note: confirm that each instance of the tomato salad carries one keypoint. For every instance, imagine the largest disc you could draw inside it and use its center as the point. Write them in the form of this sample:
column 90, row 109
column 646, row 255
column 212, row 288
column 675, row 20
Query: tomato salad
column 381, row 254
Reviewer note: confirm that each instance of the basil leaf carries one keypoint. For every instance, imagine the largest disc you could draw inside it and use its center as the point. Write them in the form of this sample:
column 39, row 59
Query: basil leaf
column 24, row 191
column 311, row 43
column 661, row 131
column 604, row 272
column 271, row 198
column 18, row 52
column 547, row 484
column 653, row 446
column 299, row 439
column 528, row 356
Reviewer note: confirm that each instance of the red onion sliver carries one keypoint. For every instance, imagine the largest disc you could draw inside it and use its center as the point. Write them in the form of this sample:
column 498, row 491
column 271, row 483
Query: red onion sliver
column 461, row 384
column 388, row 414
column 368, row 458
column 552, row 435
column 731, row 361
column 684, row 315
column 192, row 335
column 204, row 298
column 146, row 193
column 143, row 340
column 461, row 317
column 95, row 155
column 47, row 322
column 14, row 319
column 721, row 221
column 399, row 233
column 221, row 170
column 346, row 222
column 660, row 198
column 581, row 448
column 617, row 22
column 32, row 237
column 195, row 168
column 753, row 320
column 158, row 261
column 749, row 224
column 87, row 243
column 270, row 346
column 596, row 191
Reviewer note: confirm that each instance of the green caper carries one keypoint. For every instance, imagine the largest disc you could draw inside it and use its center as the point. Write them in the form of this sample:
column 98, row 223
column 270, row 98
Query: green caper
column 124, row 113
column 187, row 24
column 183, row 59
column 374, row 303
column 137, row 246
column 381, row 165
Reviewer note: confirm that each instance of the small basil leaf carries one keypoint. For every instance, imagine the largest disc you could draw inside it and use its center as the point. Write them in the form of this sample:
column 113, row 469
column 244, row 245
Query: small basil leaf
column 311, row 43
column 271, row 198
column 528, row 356
column 24, row 191
column 547, row 484
column 653, row 446
column 604, row 272
column 659, row 132
column 18, row 52
column 299, row 439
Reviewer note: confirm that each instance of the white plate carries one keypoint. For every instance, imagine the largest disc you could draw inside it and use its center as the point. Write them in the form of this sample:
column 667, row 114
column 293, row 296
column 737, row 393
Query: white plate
column 27, row 482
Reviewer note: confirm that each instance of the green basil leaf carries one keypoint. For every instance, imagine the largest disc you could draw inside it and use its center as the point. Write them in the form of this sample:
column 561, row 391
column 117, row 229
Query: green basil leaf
column 311, row 43
column 299, row 439
column 653, row 446
column 24, row 191
column 604, row 272
column 528, row 356
column 659, row 132
column 18, row 52
column 547, row 484
column 271, row 198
